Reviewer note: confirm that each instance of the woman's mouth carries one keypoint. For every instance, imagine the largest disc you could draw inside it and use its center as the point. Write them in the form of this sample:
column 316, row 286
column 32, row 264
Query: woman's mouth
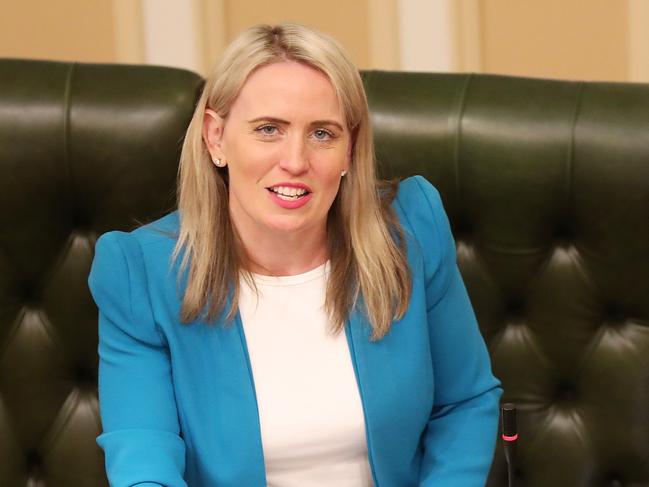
column 287, row 193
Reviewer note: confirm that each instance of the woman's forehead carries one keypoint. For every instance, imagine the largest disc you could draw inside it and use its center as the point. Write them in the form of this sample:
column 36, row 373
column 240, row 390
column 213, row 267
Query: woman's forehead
column 289, row 87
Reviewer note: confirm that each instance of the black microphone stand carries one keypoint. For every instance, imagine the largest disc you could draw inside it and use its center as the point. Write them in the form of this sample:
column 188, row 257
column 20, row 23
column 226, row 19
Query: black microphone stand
column 510, row 437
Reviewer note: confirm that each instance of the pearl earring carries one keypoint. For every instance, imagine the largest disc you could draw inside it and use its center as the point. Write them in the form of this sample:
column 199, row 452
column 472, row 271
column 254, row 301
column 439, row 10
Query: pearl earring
column 218, row 162
column 342, row 173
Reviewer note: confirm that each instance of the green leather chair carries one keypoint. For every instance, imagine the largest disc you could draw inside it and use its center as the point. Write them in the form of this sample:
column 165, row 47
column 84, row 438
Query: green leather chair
column 546, row 184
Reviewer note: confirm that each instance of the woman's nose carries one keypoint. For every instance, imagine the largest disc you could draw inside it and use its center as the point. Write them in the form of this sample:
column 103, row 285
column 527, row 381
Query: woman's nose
column 295, row 159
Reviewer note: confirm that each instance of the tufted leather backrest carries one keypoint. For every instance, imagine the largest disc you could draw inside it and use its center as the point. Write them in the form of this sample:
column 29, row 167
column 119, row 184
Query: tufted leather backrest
column 83, row 149
column 546, row 184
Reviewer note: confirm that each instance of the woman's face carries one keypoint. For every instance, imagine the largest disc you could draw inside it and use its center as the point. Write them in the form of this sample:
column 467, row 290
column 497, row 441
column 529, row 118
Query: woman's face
column 285, row 144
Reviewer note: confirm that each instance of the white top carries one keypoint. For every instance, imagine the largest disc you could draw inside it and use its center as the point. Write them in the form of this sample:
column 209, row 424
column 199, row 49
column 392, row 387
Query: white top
column 310, row 411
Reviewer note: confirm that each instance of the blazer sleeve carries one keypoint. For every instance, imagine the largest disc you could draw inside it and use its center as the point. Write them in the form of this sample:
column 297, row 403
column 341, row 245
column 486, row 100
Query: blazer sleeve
column 141, row 433
column 460, row 436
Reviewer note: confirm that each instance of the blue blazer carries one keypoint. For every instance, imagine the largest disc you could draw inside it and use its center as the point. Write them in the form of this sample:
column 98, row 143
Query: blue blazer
column 178, row 402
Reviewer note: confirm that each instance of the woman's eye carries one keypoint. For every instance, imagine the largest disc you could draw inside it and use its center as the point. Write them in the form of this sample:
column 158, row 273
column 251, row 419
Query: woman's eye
column 267, row 130
column 322, row 134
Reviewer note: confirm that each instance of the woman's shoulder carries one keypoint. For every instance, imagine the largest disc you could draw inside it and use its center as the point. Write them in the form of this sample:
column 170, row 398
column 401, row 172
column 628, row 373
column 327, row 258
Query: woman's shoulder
column 161, row 232
column 419, row 205
column 421, row 213
column 163, row 229
column 151, row 243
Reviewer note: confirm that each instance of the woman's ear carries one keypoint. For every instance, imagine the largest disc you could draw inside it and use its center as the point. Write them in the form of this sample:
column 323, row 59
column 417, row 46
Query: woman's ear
column 213, row 133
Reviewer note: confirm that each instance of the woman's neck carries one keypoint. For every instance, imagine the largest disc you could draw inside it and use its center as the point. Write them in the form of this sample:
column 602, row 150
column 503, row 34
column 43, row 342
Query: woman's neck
column 286, row 253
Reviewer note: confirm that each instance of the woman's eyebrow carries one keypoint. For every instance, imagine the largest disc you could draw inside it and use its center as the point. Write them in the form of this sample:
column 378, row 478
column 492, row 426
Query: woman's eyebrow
column 286, row 122
column 327, row 122
column 269, row 119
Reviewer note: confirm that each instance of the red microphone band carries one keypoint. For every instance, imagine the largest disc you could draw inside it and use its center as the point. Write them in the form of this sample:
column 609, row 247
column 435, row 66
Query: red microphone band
column 510, row 438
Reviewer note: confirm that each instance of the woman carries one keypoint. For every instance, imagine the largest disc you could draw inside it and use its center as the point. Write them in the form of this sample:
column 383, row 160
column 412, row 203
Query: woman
column 294, row 322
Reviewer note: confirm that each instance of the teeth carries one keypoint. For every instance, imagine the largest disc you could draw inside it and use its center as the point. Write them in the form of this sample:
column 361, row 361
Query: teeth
column 288, row 193
column 286, row 198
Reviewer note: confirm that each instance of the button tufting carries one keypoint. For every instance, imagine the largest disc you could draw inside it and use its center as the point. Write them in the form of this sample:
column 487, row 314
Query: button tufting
column 462, row 229
column 29, row 295
column 563, row 243
column 516, row 308
column 565, row 232
column 616, row 323
column 33, row 461
column 566, row 393
column 79, row 222
column 615, row 482
column 614, row 314
column 84, row 375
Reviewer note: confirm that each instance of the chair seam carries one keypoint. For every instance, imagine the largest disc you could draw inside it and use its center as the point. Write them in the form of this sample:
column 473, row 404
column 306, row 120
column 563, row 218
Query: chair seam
column 458, row 136
column 570, row 156
column 66, row 134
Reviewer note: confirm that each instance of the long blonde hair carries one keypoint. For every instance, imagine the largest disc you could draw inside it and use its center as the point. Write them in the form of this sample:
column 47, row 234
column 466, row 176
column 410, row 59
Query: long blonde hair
column 365, row 241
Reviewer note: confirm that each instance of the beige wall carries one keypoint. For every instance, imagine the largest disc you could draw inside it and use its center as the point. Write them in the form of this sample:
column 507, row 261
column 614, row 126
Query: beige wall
column 570, row 39
column 81, row 30
column 345, row 20
column 577, row 39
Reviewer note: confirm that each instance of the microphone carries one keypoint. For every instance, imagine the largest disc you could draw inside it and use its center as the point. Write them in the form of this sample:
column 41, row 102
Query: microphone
column 509, row 436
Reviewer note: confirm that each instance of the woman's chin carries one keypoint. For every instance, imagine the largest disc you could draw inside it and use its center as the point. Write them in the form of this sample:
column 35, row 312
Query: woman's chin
column 292, row 225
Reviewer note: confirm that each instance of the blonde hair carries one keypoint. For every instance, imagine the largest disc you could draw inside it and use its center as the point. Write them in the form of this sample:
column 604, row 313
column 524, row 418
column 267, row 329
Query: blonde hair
column 365, row 241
